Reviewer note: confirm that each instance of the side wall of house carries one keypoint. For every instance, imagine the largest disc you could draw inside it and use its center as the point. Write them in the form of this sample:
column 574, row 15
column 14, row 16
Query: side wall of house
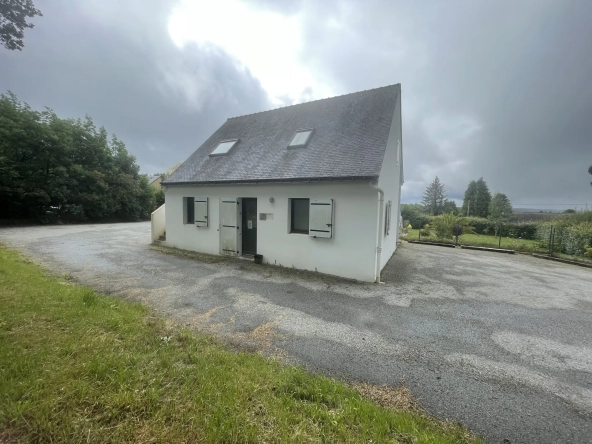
column 349, row 253
column 390, row 181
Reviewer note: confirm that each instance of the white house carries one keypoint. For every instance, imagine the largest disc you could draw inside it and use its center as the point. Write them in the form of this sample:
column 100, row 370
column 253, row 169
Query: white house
column 314, row 186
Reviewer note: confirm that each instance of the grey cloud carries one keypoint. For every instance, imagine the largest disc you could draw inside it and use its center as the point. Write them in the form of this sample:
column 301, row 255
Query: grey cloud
column 120, row 67
column 519, row 70
column 497, row 89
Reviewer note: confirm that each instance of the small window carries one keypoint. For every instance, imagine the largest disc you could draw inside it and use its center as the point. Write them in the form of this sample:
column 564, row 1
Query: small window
column 299, row 215
column 188, row 210
column 301, row 138
column 224, row 147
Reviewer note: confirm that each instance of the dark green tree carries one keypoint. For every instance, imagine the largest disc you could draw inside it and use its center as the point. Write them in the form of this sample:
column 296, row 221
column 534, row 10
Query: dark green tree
column 482, row 199
column 500, row 209
column 434, row 197
column 13, row 22
column 57, row 169
column 470, row 199
column 159, row 193
column 450, row 207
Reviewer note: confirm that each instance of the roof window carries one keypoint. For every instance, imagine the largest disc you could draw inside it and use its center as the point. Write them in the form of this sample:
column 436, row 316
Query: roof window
column 224, row 147
column 301, row 138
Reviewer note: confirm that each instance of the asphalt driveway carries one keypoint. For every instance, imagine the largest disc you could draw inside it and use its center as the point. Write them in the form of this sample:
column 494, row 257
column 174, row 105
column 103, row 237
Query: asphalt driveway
column 502, row 344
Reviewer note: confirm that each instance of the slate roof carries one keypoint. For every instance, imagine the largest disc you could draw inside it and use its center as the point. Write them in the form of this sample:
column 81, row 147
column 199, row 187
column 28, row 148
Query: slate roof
column 153, row 178
column 348, row 142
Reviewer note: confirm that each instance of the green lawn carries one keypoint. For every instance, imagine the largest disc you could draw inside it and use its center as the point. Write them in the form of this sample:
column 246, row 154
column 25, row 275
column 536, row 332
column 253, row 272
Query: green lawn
column 482, row 240
column 77, row 366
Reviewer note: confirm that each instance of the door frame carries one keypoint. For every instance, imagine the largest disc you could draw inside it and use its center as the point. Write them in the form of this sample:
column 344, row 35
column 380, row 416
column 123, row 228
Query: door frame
column 241, row 236
column 237, row 230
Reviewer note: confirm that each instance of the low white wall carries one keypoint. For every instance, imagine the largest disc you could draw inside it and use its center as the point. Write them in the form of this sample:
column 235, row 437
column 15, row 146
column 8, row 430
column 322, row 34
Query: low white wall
column 350, row 253
column 158, row 222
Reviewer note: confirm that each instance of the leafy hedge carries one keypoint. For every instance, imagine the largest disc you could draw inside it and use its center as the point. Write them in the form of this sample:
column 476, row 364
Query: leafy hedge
column 518, row 230
column 572, row 235
column 413, row 214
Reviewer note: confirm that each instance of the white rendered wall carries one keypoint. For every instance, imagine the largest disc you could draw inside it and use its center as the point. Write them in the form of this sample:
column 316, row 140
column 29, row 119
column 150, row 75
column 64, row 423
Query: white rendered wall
column 157, row 225
column 390, row 182
column 350, row 253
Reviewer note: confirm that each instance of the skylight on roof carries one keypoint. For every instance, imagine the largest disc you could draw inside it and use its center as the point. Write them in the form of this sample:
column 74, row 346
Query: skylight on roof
column 301, row 138
column 224, row 147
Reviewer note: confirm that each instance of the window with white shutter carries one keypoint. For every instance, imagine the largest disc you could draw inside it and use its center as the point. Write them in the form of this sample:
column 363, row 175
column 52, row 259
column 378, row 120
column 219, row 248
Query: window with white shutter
column 201, row 212
column 321, row 218
column 188, row 210
column 299, row 215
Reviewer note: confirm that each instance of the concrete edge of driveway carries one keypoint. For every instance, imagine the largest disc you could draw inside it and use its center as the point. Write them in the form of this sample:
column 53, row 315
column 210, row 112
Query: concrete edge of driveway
column 493, row 250
column 565, row 261
column 438, row 244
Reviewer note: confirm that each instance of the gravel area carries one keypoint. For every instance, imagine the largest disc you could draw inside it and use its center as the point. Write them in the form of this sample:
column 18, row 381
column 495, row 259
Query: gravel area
column 499, row 343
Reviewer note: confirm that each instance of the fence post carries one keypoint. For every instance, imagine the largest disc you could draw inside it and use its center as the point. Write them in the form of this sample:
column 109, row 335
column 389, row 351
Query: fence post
column 552, row 240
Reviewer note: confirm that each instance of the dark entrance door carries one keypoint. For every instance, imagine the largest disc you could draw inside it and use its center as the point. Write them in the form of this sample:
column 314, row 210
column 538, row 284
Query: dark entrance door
column 249, row 225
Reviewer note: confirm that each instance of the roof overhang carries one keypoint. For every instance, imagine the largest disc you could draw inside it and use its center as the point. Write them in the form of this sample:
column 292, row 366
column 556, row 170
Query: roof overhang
column 267, row 181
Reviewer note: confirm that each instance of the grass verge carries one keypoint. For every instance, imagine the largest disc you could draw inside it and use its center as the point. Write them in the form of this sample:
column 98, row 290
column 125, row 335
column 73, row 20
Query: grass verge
column 77, row 366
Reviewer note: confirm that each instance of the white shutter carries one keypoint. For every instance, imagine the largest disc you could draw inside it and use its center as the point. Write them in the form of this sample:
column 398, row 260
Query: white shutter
column 228, row 227
column 387, row 220
column 321, row 218
column 201, row 212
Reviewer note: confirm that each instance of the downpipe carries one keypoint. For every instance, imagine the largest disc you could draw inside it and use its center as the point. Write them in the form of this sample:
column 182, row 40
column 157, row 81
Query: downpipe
column 380, row 230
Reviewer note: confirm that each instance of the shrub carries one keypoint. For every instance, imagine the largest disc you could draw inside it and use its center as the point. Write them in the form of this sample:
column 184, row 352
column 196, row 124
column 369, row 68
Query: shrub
column 446, row 225
column 426, row 231
column 588, row 253
column 480, row 224
column 442, row 229
column 521, row 230
column 576, row 239
column 571, row 235
column 413, row 213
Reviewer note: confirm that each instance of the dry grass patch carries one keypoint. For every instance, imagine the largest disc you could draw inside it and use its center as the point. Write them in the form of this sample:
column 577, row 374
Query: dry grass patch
column 397, row 398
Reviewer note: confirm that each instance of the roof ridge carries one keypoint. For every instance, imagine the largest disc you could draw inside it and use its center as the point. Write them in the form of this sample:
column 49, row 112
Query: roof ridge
column 317, row 100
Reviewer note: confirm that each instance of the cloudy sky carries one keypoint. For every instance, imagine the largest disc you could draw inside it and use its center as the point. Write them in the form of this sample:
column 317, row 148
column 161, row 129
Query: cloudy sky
column 499, row 89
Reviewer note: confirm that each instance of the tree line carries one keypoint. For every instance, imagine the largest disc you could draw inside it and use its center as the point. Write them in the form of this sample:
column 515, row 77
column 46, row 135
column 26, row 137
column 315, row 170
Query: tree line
column 477, row 202
column 66, row 169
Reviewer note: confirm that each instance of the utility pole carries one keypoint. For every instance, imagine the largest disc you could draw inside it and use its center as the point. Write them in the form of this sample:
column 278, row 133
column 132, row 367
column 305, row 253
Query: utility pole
column 469, row 208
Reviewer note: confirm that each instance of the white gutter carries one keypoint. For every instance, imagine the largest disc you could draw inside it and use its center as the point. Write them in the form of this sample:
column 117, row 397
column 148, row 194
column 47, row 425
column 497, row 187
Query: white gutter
column 380, row 230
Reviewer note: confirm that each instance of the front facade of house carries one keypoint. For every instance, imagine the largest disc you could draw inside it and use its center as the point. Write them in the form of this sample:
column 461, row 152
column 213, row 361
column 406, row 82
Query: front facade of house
column 314, row 186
